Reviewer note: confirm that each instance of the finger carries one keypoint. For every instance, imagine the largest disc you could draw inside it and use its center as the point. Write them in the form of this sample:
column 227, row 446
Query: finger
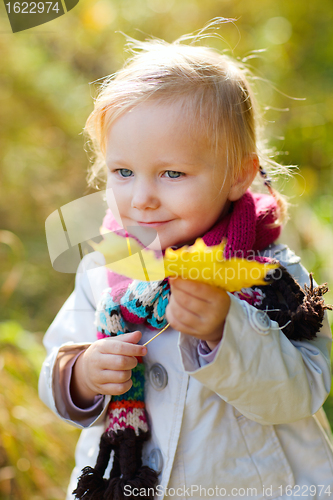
column 116, row 362
column 116, row 345
column 195, row 288
column 202, row 291
column 189, row 302
column 132, row 337
column 176, row 320
column 114, row 377
column 187, row 318
column 116, row 389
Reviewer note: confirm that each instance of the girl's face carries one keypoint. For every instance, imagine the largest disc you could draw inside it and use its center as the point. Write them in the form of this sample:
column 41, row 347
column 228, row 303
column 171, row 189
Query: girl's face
column 164, row 175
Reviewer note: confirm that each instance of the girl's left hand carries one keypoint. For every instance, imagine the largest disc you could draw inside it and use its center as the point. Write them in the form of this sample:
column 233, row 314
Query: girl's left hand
column 198, row 309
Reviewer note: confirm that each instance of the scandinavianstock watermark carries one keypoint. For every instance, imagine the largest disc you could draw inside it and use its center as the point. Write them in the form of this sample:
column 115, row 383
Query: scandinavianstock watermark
column 24, row 15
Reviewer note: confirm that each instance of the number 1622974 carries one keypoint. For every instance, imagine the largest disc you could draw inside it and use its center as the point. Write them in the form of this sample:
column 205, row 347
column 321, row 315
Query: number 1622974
column 32, row 7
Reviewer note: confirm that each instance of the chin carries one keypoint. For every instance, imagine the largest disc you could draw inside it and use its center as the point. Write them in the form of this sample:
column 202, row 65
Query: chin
column 159, row 245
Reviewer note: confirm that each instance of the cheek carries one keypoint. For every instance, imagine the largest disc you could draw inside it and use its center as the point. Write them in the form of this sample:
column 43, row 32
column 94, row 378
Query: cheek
column 204, row 209
column 199, row 202
column 114, row 200
column 187, row 208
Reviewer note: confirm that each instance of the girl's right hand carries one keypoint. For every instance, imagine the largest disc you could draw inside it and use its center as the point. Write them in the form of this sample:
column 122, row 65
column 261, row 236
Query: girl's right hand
column 105, row 367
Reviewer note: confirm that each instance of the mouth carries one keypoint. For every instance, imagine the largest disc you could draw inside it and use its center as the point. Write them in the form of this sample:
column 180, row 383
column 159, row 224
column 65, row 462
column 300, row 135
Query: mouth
column 153, row 223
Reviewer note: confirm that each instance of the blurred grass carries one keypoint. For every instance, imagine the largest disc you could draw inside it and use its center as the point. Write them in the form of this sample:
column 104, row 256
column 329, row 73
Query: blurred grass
column 36, row 448
column 45, row 99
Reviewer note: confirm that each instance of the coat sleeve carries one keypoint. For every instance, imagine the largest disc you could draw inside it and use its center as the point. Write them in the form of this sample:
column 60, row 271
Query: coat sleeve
column 265, row 376
column 71, row 332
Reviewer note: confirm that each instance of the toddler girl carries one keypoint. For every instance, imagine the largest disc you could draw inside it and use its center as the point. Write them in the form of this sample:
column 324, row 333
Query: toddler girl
column 234, row 386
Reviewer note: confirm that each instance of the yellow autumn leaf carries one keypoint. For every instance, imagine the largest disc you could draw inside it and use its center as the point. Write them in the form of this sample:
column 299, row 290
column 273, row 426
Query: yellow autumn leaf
column 127, row 257
column 197, row 262
column 208, row 265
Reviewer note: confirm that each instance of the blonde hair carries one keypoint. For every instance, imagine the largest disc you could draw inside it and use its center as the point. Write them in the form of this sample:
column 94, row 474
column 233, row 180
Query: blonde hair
column 213, row 88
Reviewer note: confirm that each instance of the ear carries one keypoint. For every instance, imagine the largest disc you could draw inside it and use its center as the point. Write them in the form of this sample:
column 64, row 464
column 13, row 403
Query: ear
column 249, row 169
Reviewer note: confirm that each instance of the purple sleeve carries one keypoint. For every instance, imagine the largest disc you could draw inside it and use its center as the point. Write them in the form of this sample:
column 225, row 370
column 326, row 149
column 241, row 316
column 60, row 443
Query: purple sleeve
column 77, row 414
column 205, row 353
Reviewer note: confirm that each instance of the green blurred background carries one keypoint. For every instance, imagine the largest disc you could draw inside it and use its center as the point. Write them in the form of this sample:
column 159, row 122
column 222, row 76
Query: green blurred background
column 45, row 99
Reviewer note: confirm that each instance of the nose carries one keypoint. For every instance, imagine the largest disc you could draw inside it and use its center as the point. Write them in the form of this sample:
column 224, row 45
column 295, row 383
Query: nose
column 145, row 195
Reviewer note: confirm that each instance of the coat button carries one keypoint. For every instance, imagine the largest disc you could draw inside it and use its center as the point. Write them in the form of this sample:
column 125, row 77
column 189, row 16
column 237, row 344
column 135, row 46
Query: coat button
column 260, row 321
column 155, row 460
column 158, row 377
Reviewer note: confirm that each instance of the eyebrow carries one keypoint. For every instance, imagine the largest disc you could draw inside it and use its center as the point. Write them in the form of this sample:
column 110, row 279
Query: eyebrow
column 158, row 164
column 120, row 163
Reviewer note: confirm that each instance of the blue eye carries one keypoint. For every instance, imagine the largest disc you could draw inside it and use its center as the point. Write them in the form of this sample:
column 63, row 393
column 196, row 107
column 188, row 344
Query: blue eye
column 172, row 172
column 125, row 172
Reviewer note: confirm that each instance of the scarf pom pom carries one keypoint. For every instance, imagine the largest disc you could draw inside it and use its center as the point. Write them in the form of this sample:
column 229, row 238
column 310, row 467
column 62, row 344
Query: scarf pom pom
column 298, row 311
column 308, row 317
column 91, row 485
column 129, row 473
column 121, row 488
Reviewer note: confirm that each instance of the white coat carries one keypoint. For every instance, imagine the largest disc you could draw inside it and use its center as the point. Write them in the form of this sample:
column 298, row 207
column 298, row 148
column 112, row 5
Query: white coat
column 241, row 426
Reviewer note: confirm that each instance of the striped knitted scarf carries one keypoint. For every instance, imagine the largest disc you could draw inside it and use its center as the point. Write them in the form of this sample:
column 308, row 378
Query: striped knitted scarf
column 248, row 227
